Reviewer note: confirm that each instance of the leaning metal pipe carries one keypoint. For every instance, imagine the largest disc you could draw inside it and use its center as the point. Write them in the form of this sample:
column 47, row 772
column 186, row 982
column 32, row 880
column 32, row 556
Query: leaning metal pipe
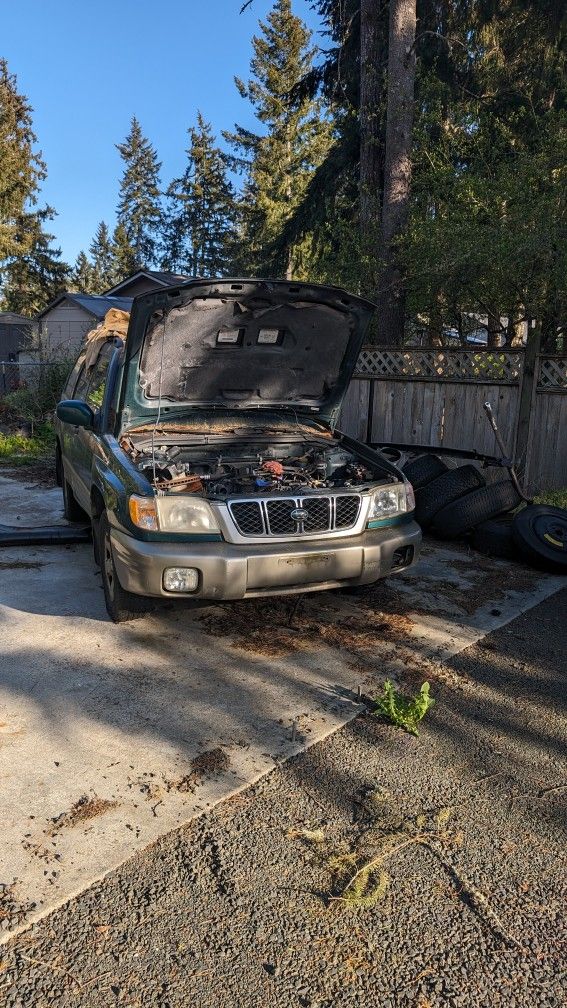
column 507, row 462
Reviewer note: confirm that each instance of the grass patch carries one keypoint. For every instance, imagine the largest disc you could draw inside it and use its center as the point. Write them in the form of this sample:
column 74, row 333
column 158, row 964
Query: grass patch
column 405, row 712
column 16, row 449
column 555, row 498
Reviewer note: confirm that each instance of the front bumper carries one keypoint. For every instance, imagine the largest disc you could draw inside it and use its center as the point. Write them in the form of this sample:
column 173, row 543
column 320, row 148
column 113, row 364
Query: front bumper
column 228, row 571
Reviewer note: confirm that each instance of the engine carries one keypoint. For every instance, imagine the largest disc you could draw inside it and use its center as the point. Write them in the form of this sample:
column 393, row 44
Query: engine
column 269, row 470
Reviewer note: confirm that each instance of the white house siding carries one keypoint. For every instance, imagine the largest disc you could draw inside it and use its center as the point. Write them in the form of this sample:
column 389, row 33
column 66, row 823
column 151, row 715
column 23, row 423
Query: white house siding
column 64, row 328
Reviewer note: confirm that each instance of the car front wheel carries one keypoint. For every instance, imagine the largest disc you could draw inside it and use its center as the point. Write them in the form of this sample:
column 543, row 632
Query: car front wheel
column 121, row 605
column 71, row 509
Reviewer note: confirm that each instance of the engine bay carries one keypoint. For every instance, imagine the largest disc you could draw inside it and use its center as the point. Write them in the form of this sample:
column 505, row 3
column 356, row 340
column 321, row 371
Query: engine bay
column 236, row 469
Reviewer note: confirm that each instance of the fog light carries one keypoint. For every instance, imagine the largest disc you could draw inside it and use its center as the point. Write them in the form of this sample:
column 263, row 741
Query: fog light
column 180, row 579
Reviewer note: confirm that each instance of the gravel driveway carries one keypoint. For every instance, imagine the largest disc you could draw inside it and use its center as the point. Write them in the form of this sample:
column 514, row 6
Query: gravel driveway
column 235, row 909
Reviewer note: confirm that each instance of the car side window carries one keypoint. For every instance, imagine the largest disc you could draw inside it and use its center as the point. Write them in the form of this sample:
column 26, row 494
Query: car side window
column 82, row 384
column 96, row 378
column 72, row 381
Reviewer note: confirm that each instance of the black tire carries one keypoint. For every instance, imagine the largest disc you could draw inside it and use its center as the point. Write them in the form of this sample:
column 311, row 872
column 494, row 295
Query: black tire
column 71, row 509
column 58, row 466
column 476, row 507
column 422, row 470
column 540, row 533
column 494, row 538
column 95, row 521
column 446, row 488
column 121, row 605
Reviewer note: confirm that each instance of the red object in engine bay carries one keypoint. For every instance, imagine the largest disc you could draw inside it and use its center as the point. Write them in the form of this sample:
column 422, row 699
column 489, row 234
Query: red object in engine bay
column 275, row 469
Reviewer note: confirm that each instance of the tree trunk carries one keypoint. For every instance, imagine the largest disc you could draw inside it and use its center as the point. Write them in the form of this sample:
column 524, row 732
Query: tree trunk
column 397, row 167
column 370, row 146
column 435, row 327
column 516, row 328
column 493, row 331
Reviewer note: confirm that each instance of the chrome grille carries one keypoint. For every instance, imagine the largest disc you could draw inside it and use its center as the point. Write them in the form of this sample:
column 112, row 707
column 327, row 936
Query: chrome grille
column 346, row 510
column 280, row 521
column 272, row 516
column 248, row 517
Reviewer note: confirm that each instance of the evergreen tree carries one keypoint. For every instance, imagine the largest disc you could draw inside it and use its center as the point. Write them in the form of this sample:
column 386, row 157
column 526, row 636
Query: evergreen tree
column 124, row 253
column 279, row 163
column 35, row 278
column 139, row 209
column 200, row 230
column 21, row 168
column 103, row 259
column 82, row 276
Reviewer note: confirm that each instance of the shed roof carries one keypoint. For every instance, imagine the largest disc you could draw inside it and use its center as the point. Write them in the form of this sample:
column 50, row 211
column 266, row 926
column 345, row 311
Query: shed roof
column 164, row 277
column 96, row 305
column 12, row 318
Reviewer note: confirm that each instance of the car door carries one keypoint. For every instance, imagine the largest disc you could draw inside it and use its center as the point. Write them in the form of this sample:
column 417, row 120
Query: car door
column 81, row 445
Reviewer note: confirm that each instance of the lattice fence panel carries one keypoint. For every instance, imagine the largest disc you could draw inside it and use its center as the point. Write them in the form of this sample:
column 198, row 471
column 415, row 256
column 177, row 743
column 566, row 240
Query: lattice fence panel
column 552, row 373
column 440, row 365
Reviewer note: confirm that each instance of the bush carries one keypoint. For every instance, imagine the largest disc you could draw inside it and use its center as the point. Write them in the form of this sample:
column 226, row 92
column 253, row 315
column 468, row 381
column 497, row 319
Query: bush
column 17, row 449
column 35, row 404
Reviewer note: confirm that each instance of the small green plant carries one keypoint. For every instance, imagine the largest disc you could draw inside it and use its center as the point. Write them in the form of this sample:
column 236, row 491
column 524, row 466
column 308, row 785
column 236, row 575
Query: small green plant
column 555, row 498
column 402, row 711
column 15, row 449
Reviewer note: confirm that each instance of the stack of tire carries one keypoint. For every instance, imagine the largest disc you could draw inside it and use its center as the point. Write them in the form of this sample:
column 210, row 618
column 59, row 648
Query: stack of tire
column 467, row 500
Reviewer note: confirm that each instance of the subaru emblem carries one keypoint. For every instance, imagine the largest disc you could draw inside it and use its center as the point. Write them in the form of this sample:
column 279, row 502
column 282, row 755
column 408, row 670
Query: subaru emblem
column 299, row 514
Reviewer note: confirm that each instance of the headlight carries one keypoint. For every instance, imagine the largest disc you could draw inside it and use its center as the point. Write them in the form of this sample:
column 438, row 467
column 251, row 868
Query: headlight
column 387, row 502
column 185, row 514
column 172, row 514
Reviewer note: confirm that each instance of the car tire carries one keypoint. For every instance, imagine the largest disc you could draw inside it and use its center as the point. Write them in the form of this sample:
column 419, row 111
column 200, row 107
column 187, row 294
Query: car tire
column 422, row 470
column 475, row 507
column 121, row 605
column 58, row 466
column 71, row 508
column 446, row 488
column 95, row 522
column 540, row 533
column 494, row 538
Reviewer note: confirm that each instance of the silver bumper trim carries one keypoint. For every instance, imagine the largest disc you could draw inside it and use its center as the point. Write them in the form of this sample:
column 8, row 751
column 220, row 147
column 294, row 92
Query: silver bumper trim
column 228, row 571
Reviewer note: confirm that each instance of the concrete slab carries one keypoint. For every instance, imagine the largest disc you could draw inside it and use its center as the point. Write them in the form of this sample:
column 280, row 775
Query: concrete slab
column 112, row 735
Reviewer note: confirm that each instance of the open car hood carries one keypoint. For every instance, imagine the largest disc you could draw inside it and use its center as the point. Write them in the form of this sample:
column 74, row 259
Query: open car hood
column 241, row 345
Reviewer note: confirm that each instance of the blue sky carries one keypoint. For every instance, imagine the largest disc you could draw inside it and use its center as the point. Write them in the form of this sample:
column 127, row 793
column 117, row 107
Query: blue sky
column 87, row 67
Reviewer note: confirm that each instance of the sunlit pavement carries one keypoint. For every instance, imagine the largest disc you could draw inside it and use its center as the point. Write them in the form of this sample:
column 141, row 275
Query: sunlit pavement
column 111, row 736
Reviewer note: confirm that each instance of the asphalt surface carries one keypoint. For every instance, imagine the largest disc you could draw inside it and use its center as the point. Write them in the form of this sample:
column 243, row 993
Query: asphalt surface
column 235, row 909
column 123, row 716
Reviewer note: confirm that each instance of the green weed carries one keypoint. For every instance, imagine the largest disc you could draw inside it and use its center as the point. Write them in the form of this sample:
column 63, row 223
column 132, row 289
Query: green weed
column 403, row 711
column 16, row 449
column 555, row 498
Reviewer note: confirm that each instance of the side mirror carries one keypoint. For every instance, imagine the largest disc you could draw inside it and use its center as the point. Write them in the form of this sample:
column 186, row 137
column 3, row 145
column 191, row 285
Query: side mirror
column 76, row 413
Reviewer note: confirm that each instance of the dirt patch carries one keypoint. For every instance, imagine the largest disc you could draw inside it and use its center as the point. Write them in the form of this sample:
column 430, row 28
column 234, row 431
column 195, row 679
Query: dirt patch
column 84, row 809
column 12, row 912
column 492, row 586
column 277, row 627
column 207, row 764
column 41, row 473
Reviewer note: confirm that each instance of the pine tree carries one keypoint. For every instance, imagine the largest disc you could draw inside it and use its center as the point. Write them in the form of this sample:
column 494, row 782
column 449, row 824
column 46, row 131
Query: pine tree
column 35, row 278
column 200, row 232
column 21, row 168
column 278, row 164
column 139, row 205
column 82, row 277
column 125, row 260
column 103, row 259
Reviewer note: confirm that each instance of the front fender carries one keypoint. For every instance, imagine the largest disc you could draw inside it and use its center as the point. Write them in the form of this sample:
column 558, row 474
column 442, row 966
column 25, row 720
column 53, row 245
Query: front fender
column 115, row 478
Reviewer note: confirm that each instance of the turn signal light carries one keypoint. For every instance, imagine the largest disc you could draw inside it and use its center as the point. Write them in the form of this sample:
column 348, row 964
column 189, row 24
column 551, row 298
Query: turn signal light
column 143, row 513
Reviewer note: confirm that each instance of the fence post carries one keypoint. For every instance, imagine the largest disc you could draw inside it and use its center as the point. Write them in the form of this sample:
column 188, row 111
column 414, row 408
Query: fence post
column 526, row 405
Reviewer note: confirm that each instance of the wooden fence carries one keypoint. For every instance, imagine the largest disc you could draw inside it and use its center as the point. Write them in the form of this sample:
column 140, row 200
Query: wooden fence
column 419, row 396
